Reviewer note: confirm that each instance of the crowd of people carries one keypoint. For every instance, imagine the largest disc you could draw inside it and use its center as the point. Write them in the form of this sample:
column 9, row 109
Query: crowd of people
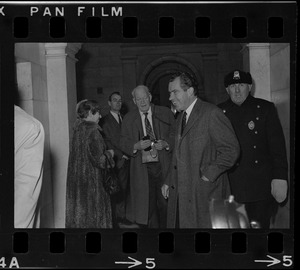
column 170, row 163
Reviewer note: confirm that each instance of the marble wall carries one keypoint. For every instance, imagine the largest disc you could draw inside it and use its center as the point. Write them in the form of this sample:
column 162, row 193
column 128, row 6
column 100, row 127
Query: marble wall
column 281, row 95
column 47, row 89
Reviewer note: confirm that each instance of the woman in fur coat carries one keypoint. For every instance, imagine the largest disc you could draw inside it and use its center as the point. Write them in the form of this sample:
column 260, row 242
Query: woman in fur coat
column 87, row 204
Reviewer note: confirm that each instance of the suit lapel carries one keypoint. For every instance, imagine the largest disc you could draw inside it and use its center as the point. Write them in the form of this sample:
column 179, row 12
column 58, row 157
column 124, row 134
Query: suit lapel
column 192, row 119
column 114, row 121
column 137, row 121
column 155, row 122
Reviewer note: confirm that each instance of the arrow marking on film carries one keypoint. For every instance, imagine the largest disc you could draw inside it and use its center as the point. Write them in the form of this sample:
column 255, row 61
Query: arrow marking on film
column 134, row 262
column 272, row 261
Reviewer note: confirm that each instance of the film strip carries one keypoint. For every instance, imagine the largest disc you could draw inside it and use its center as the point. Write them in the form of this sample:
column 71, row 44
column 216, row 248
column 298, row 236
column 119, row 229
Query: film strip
column 57, row 53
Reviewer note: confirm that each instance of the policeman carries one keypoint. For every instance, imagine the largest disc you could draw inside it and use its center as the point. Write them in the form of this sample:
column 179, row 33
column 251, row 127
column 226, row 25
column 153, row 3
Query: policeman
column 261, row 172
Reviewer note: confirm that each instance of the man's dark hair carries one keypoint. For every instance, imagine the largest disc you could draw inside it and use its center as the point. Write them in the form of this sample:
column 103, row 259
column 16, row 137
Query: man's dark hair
column 114, row 93
column 187, row 80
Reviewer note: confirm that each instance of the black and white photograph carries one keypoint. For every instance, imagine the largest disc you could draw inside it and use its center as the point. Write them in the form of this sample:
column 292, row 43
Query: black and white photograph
column 147, row 134
column 90, row 100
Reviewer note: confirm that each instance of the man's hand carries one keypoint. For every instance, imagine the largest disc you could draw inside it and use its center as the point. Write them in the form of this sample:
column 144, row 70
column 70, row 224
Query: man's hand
column 279, row 189
column 165, row 191
column 121, row 161
column 160, row 145
column 142, row 144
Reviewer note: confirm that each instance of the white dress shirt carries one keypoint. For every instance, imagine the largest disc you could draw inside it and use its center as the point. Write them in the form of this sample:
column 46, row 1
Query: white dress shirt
column 116, row 116
column 189, row 110
column 149, row 116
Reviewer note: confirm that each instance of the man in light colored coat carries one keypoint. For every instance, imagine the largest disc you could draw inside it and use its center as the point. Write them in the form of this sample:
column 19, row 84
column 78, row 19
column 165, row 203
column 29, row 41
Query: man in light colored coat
column 205, row 147
column 29, row 156
column 146, row 205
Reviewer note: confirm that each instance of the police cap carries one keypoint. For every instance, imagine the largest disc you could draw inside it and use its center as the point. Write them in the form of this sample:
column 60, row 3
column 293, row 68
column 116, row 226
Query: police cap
column 237, row 76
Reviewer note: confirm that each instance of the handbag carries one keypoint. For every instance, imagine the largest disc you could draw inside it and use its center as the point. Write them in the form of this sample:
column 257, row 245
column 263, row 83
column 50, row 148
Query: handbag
column 110, row 178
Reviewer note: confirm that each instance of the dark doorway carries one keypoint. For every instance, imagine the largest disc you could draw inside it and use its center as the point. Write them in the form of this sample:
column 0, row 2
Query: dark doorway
column 160, row 93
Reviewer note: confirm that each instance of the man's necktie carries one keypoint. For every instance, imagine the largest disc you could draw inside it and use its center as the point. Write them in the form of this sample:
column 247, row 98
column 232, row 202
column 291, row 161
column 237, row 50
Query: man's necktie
column 120, row 119
column 148, row 127
column 183, row 124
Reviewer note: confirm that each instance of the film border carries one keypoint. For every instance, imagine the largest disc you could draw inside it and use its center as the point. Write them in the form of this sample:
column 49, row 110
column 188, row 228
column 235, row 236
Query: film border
column 184, row 32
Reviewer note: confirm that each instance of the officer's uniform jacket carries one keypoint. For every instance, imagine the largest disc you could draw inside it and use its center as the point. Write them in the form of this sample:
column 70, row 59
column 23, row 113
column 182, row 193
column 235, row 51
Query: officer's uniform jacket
column 263, row 152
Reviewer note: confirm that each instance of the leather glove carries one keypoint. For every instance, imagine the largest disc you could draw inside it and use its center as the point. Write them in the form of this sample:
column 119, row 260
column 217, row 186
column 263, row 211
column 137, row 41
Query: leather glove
column 279, row 189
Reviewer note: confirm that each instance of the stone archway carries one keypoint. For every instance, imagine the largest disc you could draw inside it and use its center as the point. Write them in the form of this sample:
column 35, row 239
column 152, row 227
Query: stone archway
column 157, row 74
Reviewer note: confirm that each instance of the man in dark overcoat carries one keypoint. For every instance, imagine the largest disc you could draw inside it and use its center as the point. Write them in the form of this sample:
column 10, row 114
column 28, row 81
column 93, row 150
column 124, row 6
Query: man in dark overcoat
column 149, row 126
column 205, row 148
column 111, row 126
column 261, row 172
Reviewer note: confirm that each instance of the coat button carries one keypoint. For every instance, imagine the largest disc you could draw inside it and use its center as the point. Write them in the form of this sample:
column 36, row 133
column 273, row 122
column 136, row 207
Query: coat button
column 256, row 161
column 255, row 132
column 172, row 187
column 175, row 167
column 254, row 146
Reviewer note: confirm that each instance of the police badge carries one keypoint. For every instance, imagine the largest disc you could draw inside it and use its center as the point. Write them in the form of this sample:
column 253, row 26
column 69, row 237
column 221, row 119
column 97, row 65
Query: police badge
column 251, row 125
column 236, row 75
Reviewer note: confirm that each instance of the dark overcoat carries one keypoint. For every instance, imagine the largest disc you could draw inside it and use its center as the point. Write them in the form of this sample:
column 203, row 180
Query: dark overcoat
column 87, row 203
column 112, row 131
column 209, row 147
column 132, row 132
column 263, row 152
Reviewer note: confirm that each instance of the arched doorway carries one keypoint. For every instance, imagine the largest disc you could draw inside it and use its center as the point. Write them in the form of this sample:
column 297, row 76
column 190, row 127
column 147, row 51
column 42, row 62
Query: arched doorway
column 158, row 73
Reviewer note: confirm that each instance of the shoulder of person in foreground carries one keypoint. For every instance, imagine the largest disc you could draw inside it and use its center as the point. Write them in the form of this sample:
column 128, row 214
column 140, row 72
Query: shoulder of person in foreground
column 209, row 107
column 164, row 113
column 26, row 125
column 128, row 117
column 261, row 101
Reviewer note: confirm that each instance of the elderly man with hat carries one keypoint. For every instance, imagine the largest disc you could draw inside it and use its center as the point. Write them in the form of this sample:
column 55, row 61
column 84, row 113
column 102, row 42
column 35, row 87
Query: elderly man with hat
column 259, row 178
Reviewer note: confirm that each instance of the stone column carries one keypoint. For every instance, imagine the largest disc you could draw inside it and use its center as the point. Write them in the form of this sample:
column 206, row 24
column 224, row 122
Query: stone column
column 61, row 82
column 259, row 64
column 129, row 79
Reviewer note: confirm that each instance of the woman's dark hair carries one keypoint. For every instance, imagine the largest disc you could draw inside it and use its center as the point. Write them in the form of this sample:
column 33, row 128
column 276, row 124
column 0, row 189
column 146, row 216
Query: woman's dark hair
column 187, row 80
column 86, row 106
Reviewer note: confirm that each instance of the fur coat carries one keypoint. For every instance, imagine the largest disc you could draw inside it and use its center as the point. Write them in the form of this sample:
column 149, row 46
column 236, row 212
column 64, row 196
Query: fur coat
column 87, row 204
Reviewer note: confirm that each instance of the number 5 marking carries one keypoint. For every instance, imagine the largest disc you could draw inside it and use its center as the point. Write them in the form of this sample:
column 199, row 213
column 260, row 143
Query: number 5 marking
column 287, row 261
column 151, row 262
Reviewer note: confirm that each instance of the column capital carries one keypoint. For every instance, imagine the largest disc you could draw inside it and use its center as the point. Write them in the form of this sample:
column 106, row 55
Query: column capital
column 58, row 50
column 258, row 45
